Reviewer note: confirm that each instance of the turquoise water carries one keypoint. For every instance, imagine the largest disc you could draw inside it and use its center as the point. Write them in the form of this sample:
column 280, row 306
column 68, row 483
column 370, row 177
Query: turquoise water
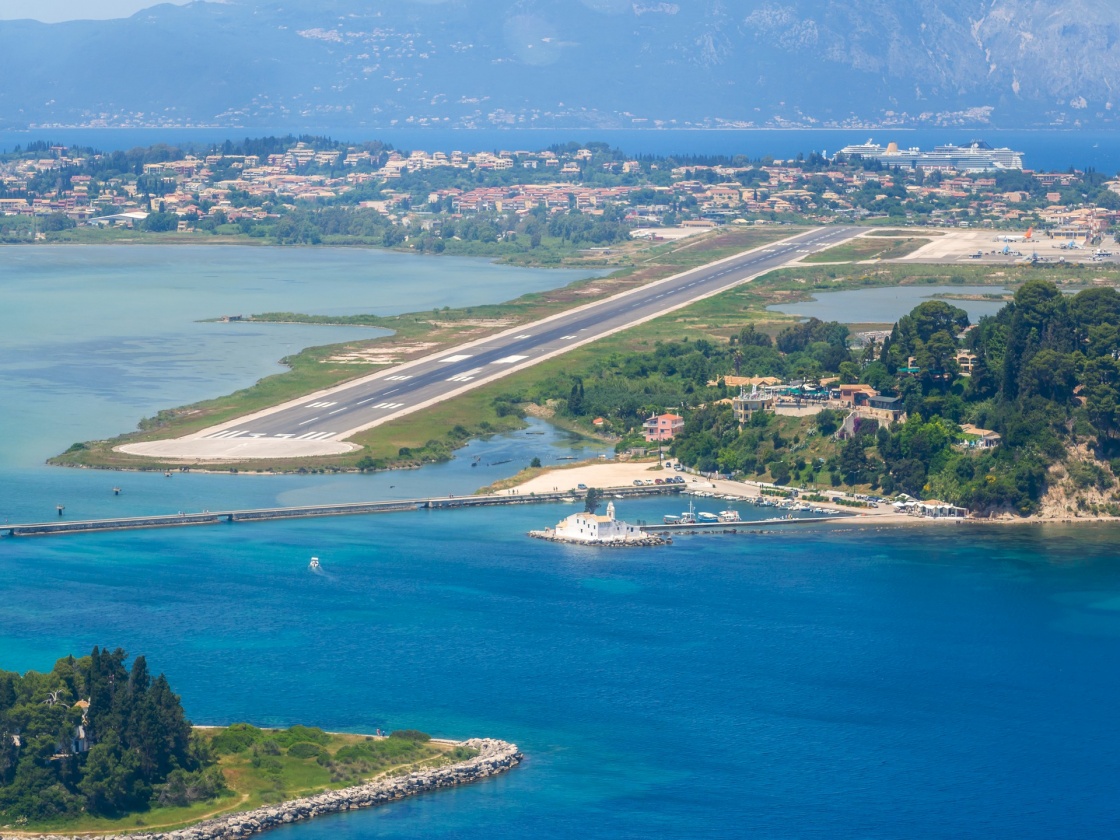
column 843, row 682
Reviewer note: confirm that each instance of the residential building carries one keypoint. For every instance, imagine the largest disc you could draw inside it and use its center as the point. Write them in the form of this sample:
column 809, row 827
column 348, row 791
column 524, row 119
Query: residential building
column 662, row 427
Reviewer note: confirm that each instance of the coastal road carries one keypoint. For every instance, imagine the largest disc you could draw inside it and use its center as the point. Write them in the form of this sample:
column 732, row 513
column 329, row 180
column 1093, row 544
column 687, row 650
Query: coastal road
column 320, row 423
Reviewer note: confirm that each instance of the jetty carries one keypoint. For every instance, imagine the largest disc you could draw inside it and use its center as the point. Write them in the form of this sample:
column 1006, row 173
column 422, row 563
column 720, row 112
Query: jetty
column 221, row 517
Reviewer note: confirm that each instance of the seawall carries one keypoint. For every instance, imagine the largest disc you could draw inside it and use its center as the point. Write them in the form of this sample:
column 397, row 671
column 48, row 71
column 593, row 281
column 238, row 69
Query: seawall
column 494, row 758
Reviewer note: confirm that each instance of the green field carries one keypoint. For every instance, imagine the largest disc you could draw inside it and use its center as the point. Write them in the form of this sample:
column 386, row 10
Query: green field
column 866, row 248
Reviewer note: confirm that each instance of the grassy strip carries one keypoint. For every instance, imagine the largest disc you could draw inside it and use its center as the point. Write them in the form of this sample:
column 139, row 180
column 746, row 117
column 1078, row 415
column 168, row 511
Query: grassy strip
column 866, row 248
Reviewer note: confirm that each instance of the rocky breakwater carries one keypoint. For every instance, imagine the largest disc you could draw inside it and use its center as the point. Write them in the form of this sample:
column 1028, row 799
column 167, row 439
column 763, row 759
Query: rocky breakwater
column 494, row 757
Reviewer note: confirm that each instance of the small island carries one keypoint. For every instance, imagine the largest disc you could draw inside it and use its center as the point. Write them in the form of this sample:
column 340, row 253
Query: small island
column 95, row 746
column 588, row 528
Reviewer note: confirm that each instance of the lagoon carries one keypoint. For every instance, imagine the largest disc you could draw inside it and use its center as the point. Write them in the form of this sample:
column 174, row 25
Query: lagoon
column 93, row 338
column 886, row 304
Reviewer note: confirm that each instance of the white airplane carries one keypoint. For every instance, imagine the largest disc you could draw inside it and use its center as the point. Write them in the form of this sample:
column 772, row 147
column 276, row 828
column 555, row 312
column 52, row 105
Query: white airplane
column 1016, row 237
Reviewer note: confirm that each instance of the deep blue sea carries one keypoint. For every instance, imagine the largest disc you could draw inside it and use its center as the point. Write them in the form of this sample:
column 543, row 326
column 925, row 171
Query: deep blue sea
column 843, row 683
column 1045, row 149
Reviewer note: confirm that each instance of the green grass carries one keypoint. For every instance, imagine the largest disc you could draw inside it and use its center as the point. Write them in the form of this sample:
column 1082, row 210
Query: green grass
column 866, row 248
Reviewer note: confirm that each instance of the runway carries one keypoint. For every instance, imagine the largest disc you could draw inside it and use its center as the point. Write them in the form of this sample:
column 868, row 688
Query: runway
column 320, row 423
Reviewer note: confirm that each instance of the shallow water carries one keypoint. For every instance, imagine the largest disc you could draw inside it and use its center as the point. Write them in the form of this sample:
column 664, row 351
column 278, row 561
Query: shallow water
column 94, row 338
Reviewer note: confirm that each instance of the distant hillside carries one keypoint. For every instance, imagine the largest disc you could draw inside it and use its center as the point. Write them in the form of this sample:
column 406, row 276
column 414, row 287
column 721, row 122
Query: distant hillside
column 570, row 63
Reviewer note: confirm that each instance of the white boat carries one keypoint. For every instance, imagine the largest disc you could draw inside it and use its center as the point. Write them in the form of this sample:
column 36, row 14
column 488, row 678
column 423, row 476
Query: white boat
column 729, row 516
column 688, row 517
column 669, row 519
column 704, row 516
column 314, row 564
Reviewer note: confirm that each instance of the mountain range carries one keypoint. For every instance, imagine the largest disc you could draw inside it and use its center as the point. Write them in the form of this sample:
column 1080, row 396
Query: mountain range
column 570, row 64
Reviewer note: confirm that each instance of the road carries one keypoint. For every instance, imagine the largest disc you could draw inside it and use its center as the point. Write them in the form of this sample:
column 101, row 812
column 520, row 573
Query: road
column 319, row 424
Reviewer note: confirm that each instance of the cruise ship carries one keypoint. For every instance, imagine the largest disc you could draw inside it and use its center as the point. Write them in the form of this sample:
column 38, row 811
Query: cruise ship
column 977, row 156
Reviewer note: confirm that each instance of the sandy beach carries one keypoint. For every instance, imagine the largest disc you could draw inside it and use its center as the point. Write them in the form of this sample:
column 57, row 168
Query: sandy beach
column 608, row 475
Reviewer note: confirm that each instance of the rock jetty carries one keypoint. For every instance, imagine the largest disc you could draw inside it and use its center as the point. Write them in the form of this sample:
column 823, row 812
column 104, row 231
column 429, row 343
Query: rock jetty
column 494, row 757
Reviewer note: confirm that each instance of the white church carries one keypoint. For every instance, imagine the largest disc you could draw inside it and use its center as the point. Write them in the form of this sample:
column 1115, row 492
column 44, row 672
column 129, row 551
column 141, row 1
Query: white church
column 589, row 528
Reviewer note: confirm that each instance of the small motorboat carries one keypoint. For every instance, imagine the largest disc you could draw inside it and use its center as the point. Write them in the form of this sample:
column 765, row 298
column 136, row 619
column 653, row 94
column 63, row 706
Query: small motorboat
column 314, row 564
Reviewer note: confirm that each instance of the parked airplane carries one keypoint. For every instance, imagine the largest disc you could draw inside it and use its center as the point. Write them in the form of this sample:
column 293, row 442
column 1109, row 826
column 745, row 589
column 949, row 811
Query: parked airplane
column 1016, row 237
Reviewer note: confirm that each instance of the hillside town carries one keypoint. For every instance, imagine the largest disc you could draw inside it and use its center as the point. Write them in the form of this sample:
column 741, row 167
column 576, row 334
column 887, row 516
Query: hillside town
column 422, row 198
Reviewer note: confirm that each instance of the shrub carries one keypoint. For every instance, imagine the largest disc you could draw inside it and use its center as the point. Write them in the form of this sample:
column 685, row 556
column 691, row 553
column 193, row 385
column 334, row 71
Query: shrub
column 304, row 749
column 236, row 738
column 411, row 735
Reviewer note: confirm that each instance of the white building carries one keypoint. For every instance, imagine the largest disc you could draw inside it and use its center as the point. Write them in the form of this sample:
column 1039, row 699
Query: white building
column 589, row 528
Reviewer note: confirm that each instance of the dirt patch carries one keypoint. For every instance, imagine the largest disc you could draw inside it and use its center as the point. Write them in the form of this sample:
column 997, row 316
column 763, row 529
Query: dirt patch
column 1083, row 486
column 382, row 355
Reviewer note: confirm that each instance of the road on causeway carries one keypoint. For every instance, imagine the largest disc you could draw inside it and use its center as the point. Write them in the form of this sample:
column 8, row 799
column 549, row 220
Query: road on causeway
column 320, row 423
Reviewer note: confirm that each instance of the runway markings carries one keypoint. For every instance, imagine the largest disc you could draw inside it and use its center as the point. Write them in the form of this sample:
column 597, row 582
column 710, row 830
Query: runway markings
column 521, row 336
column 337, row 410
column 305, row 422
column 389, row 405
column 510, row 360
column 465, row 376
column 398, row 378
column 363, row 402
column 320, row 404
column 284, row 437
column 567, row 337
column 316, row 436
column 226, row 435
column 459, row 358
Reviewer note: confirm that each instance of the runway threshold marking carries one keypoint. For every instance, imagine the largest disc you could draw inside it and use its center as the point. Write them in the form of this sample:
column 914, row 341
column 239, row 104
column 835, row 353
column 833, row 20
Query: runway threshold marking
column 465, row 376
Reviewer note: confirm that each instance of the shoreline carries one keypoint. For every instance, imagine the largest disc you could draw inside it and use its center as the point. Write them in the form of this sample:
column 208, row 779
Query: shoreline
column 613, row 475
column 494, row 758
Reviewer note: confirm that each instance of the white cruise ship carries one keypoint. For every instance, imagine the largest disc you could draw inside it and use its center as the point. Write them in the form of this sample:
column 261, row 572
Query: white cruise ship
column 977, row 156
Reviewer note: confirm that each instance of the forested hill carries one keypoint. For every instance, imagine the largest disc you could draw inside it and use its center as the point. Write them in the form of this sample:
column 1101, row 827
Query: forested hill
column 96, row 737
column 1045, row 378
column 569, row 63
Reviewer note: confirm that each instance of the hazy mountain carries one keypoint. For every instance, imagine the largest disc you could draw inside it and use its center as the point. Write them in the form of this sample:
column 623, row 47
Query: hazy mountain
column 620, row 63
